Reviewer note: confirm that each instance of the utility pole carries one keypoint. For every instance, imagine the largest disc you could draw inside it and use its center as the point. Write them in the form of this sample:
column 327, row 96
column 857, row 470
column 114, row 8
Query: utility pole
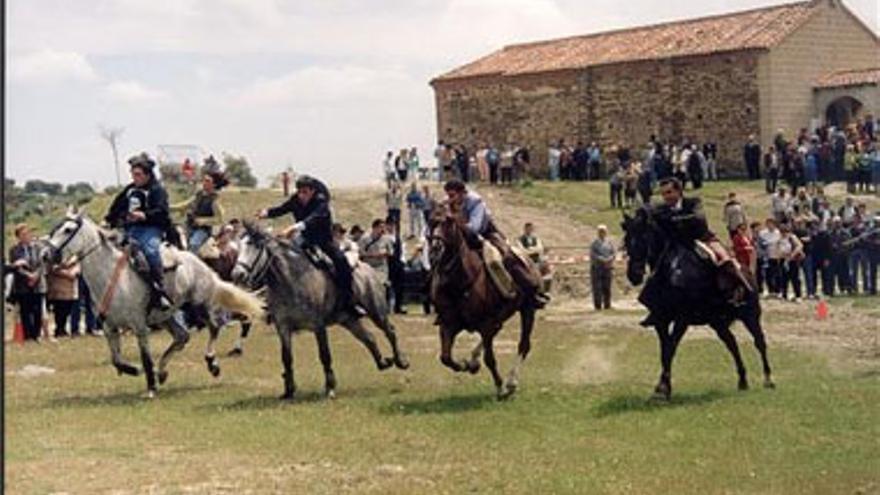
column 111, row 135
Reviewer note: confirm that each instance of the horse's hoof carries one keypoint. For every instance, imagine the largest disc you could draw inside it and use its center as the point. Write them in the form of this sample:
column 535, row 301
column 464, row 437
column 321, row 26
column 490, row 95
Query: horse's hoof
column 401, row 362
column 511, row 386
column 235, row 352
column 330, row 394
column 384, row 363
column 473, row 367
column 769, row 384
column 743, row 386
column 150, row 395
column 215, row 371
column 662, row 392
column 286, row 396
column 162, row 376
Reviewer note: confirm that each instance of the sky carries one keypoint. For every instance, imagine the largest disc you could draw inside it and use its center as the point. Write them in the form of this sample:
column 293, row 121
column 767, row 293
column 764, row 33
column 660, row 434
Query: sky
column 324, row 86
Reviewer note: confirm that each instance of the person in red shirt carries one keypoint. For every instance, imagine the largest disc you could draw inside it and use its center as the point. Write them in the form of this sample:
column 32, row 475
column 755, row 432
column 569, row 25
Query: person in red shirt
column 744, row 248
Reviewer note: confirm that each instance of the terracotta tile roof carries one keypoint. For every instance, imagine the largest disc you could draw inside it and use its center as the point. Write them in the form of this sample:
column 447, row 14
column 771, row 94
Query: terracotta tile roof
column 752, row 29
column 849, row 77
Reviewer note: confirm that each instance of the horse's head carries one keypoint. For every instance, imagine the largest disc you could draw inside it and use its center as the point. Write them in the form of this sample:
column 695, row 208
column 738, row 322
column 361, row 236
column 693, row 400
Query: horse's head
column 253, row 257
column 445, row 234
column 70, row 237
column 637, row 241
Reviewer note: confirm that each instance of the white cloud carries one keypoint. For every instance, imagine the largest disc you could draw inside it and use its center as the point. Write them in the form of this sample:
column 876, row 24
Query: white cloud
column 132, row 92
column 49, row 66
column 327, row 85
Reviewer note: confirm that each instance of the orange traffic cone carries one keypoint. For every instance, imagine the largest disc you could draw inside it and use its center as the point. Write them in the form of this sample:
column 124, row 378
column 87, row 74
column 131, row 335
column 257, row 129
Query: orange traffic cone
column 822, row 310
column 18, row 333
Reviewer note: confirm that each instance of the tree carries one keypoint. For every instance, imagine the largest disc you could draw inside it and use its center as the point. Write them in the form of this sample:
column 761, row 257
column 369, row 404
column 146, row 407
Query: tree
column 80, row 189
column 37, row 186
column 238, row 171
column 112, row 136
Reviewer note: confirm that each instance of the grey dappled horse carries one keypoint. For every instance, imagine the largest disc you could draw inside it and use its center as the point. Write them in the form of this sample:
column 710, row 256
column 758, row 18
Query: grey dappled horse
column 303, row 297
column 191, row 281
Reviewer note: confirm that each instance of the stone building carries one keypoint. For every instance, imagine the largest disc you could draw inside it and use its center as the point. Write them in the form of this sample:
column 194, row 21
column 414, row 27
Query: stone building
column 718, row 78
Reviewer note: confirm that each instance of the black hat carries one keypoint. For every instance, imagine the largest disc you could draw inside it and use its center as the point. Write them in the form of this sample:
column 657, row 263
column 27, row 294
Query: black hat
column 142, row 161
column 305, row 181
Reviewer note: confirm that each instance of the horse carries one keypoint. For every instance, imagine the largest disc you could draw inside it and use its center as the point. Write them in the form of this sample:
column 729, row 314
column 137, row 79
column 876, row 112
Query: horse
column 211, row 254
column 122, row 295
column 302, row 296
column 696, row 302
column 467, row 299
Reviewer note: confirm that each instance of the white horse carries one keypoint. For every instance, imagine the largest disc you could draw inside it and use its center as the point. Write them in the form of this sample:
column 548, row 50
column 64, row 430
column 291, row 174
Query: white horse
column 126, row 305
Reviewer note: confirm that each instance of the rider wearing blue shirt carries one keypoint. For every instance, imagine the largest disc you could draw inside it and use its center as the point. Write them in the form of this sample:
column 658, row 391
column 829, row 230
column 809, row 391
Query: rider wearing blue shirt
column 479, row 227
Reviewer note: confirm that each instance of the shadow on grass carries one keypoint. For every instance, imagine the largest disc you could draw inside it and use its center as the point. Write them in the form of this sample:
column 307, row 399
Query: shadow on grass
column 127, row 398
column 443, row 405
column 639, row 403
column 266, row 402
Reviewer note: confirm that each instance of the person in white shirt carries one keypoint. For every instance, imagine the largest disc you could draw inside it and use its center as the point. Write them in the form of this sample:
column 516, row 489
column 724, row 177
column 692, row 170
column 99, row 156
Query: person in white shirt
column 770, row 236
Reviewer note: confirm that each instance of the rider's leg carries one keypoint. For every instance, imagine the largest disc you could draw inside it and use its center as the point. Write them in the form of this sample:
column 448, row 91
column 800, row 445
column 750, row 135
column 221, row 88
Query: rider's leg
column 197, row 237
column 149, row 240
column 343, row 275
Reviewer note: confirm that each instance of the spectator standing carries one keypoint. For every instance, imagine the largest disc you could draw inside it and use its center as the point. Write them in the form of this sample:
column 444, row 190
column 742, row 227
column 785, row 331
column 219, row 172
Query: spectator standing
column 780, row 206
column 375, row 249
column 761, row 260
column 493, row 160
column 388, row 169
column 791, row 251
column 734, row 214
column 803, row 230
column 771, row 236
column 771, row 170
column 752, row 158
column 28, row 285
column 553, row 156
column 602, row 254
column 630, row 183
column 400, row 166
column 507, row 165
column 415, row 205
column 615, row 185
column 595, row 161
column 840, row 256
column 62, row 294
column 93, row 326
column 412, row 163
column 581, row 161
column 482, row 164
column 646, row 185
column 429, row 203
column 396, row 268
column 710, row 153
column 394, row 201
column 858, row 256
column 744, row 249
column 285, row 183
column 463, row 163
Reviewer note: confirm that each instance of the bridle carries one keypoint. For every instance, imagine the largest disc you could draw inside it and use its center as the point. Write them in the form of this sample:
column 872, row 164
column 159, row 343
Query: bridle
column 60, row 249
column 257, row 270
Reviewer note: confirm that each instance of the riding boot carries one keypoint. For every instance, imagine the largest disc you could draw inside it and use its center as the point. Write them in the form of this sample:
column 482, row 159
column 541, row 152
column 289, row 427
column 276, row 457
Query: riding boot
column 159, row 299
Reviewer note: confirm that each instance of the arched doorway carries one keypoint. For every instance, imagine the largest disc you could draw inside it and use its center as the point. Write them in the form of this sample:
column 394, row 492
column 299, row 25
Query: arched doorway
column 842, row 111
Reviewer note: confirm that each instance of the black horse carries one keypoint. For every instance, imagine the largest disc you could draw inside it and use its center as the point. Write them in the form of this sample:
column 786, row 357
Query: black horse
column 684, row 292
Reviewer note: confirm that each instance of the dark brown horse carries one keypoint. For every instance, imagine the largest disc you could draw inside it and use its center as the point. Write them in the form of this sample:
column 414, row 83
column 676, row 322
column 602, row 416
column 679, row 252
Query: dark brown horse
column 467, row 299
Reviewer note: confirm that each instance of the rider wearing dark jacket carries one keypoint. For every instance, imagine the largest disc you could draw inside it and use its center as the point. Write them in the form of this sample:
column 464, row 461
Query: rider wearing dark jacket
column 684, row 222
column 310, row 207
column 141, row 209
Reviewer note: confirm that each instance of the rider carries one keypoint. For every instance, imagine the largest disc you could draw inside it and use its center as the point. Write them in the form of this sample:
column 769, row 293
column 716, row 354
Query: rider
column 310, row 207
column 684, row 221
column 479, row 226
column 203, row 211
column 141, row 209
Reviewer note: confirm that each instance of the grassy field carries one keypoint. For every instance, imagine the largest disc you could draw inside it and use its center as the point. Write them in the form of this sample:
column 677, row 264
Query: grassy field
column 581, row 423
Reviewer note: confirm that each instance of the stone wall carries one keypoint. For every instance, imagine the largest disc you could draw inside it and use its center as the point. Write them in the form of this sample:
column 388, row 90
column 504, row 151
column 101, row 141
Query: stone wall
column 698, row 98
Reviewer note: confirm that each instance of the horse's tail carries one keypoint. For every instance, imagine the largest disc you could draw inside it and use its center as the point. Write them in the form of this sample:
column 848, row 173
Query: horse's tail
column 237, row 300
